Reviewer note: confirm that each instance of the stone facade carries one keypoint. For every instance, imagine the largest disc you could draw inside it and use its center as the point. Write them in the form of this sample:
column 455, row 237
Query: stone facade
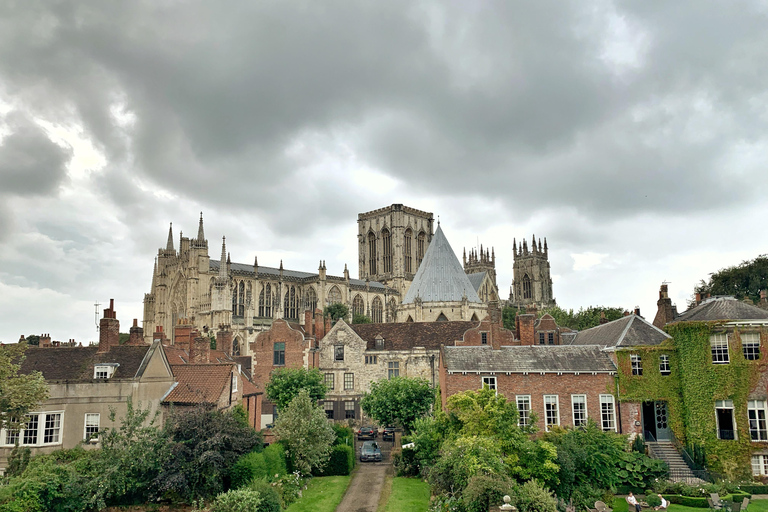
column 532, row 284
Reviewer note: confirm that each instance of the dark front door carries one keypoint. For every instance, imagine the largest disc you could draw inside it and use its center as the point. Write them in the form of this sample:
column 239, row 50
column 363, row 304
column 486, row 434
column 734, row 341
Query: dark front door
column 725, row 424
column 662, row 421
column 649, row 421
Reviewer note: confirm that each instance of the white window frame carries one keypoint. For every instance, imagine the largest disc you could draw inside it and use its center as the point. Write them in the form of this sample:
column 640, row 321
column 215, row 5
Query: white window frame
column 329, row 379
column 750, row 339
column 757, row 424
column 393, row 369
column 610, row 422
column 490, row 381
column 349, row 405
column 40, row 430
column 637, row 364
column 582, row 400
column 234, row 382
column 717, row 343
column 760, row 465
column 726, row 404
column 349, row 381
column 523, row 420
column 106, row 369
column 664, row 367
column 556, row 402
column 94, row 439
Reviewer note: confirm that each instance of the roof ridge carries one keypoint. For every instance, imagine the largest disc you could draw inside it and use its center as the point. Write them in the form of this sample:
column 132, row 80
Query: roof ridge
column 626, row 328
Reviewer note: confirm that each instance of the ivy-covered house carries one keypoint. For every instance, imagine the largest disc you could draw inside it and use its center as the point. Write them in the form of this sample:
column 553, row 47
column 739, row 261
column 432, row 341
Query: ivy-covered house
column 705, row 387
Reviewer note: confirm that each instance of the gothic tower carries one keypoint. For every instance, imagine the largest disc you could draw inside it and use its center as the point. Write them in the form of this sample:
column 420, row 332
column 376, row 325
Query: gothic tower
column 531, row 284
column 392, row 242
column 480, row 266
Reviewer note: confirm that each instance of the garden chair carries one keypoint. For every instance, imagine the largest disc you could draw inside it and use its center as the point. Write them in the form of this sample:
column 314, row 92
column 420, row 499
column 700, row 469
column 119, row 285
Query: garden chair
column 602, row 507
column 716, row 501
column 744, row 505
column 712, row 505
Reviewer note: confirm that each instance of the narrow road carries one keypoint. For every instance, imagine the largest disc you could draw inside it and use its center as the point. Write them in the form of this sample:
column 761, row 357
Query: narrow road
column 365, row 488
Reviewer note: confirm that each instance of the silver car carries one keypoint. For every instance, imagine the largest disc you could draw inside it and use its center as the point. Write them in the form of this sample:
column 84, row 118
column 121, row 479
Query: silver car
column 370, row 452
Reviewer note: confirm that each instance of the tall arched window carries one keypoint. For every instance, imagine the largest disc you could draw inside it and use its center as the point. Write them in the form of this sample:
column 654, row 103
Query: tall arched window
column 420, row 242
column 291, row 303
column 372, row 253
column 407, row 250
column 236, row 347
column 261, row 302
column 234, row 298
column 334, row 296
column 241, row 299
column 386, row 237
column 265, row 301
column 526, row 287
column 392, row 310
column 310, row 299
column 358, row 305
column 377, row 311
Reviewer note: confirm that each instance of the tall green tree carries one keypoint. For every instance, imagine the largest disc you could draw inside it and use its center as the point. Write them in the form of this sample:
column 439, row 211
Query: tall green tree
column 284, row 385
column 337, row 311
column 18, row 392
column 744, row 280
column 398, row 401
column 306, row 432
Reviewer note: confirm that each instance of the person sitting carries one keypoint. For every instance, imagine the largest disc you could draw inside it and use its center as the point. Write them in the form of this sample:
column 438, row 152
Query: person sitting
column 664, row 504
column 633, row 501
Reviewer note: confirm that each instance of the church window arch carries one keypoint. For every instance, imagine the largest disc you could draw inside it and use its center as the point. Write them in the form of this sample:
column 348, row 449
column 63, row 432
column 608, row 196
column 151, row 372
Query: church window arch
column 358, row 305
column 377, row 311
column 421, row 241
column 372, row 257
column 407, row 250
column 334, row 296
column 266, row 300
column 526, row 287
column 442, row 318
column 241, row 299
column 474, row 317
column 409, row 319
column 310, row 300
column 236, row 347
column 392, row 310
column 386, row 238
column 291, row 303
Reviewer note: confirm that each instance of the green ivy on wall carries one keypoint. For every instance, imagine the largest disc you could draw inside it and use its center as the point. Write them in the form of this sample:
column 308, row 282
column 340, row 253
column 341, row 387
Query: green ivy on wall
column 692, row 388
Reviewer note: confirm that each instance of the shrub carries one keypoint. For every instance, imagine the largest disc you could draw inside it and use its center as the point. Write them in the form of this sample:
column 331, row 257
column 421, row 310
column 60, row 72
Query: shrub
column 754, row 488
column 653, row 500
column 18, row 460
column 532, row 497
column 686, row 501
column 270, row 498
column 485, row 491
column 405, row 462
column 584, row 496
column 237, row 500
column 249, row 466
column 341, row 461
column 344, row 435
column 289, row 487
column 274, row 458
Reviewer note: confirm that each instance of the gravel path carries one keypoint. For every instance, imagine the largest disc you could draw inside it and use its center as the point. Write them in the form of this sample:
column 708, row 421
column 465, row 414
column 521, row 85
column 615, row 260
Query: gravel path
column 365, row 488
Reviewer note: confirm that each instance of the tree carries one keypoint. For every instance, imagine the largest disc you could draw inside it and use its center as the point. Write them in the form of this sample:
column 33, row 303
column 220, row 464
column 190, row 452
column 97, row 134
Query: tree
column 337, row 311
column 359, row 318
column 284, row 385
column 306, row 433
column 18, row 393
column 398, row 401
column 742, row 281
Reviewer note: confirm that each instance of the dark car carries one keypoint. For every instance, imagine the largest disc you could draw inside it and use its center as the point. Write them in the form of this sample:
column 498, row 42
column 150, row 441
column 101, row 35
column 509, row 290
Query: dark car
column 388, row 434
column 370, row 452
column 367, row 433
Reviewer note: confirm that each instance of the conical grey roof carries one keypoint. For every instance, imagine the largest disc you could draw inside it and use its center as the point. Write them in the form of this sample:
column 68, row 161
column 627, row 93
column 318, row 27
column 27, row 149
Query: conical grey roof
column 440, row 277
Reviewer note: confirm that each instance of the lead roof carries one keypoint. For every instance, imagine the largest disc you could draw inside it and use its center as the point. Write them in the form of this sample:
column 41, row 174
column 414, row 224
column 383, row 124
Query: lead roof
column 721, row 308
column 528, row 359
column 627, row 331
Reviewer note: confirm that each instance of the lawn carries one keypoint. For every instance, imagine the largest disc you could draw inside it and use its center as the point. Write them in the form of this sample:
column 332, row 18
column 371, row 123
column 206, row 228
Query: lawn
column 620, row 505
column 408, row 495
column 323, row 494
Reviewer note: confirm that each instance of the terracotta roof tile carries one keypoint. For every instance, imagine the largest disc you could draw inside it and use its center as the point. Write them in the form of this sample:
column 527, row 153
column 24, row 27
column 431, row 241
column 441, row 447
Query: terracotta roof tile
column 199, row 383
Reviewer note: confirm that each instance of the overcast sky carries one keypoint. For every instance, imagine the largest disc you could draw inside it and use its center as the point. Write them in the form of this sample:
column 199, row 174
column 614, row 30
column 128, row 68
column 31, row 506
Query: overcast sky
column 631, row 135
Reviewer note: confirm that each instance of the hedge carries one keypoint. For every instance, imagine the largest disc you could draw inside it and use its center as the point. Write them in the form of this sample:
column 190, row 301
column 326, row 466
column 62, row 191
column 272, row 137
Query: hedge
column 266, row 464
column 754, row 488
column 274, row 456
column 689, row 501
column 340, row 463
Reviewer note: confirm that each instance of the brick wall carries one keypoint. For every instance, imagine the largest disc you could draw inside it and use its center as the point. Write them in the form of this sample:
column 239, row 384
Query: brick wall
column 262, row 350
column 495, row 335
column 109, row 328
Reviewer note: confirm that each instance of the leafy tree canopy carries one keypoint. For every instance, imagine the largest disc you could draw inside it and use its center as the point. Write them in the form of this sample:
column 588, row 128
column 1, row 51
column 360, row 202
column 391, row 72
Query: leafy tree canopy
column 398, row 401
column 336, row 311
column 579, row 320
column 742, row 281
column 284, row 385
column 304, row 429
column 357, row 318
column 18, row 393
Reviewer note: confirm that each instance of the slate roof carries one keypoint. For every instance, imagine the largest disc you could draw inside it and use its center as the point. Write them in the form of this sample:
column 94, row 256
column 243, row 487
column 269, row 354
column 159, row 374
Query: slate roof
column 627, row 331
column 527, row 359
column 199, row 383
column 476, row 279
column 405, row 336
column 75, row 364
column 440, row 277
column 244, row 268
column 722, row 308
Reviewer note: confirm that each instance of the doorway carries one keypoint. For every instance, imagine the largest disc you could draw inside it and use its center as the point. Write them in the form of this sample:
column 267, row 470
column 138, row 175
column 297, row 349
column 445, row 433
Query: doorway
column 656, row 421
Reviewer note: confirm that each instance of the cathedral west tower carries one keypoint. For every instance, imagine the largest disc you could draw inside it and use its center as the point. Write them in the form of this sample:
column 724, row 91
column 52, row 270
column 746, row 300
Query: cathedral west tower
column 532, row 284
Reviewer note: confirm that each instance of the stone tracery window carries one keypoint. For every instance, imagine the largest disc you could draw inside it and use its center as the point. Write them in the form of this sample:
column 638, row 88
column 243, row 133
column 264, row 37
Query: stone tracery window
column 420, row 242
column 377, row 311
column 266, row 300
column 291, row 302
column 386, row 237
column 310, row 299
column 334, row 296
column 358, row 305
column 407, row 250
column 372, row 253
column 238, row 298
column 526, row 287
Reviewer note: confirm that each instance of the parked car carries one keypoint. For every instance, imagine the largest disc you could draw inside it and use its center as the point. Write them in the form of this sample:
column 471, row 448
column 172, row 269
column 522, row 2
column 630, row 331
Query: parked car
column 367, row 433
column 370, row 452
column 388, row 434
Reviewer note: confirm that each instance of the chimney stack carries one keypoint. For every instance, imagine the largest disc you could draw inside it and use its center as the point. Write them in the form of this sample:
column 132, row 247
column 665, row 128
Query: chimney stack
column 136, row 334
column 603, row 319
column 109, row 328
column 525, row 330
column 665, row 312
column 199, row 349
column 224, row 339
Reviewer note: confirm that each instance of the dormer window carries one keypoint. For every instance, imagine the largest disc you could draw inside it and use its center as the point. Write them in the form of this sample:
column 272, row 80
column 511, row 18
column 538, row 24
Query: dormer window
column 379, row 343
column 104, row 371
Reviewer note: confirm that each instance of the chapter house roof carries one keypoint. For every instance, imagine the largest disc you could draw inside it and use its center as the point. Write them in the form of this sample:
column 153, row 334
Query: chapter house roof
column 627, row 331
column 722, row 308
column 476, row 279
column 405, row 336
column 440, row 277
column 527, row 359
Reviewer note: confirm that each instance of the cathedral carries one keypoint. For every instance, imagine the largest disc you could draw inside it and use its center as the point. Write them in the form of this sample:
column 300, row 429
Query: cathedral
column 408, row 272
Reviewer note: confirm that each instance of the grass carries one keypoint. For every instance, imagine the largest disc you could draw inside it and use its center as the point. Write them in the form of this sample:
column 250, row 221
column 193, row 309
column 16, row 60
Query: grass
column 323, row 494
column 620, row 505
column 408, row 495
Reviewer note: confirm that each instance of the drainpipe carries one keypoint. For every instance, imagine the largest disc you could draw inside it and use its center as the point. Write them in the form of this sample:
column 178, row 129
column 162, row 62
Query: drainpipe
column 618, row 404
column 432, row 366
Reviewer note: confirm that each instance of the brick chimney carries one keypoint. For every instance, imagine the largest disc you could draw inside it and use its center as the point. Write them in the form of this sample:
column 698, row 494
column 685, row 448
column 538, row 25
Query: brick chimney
column 319, row 325
column 182, row 334
column 136, row 334
column 308, row 325
column 697, row 299
column 525, row 330
column 200, row 349
column 224, row 339
column 159, row 335
column 45, row 341
column 603, row 319
column 665, row 312
column 109, row 328
column 637, row 310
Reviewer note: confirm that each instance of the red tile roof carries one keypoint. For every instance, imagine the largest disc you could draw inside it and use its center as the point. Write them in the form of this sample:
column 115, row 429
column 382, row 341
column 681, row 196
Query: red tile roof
column 199, row 383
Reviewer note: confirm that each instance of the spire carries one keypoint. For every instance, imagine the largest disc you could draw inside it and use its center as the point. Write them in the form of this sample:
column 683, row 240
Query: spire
column 169, row 245
column 256, row 262
column 223, row 263
column 514, row 245
column 154, row 276
column 200, row 233
column 229, row 260
column 533, row 243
